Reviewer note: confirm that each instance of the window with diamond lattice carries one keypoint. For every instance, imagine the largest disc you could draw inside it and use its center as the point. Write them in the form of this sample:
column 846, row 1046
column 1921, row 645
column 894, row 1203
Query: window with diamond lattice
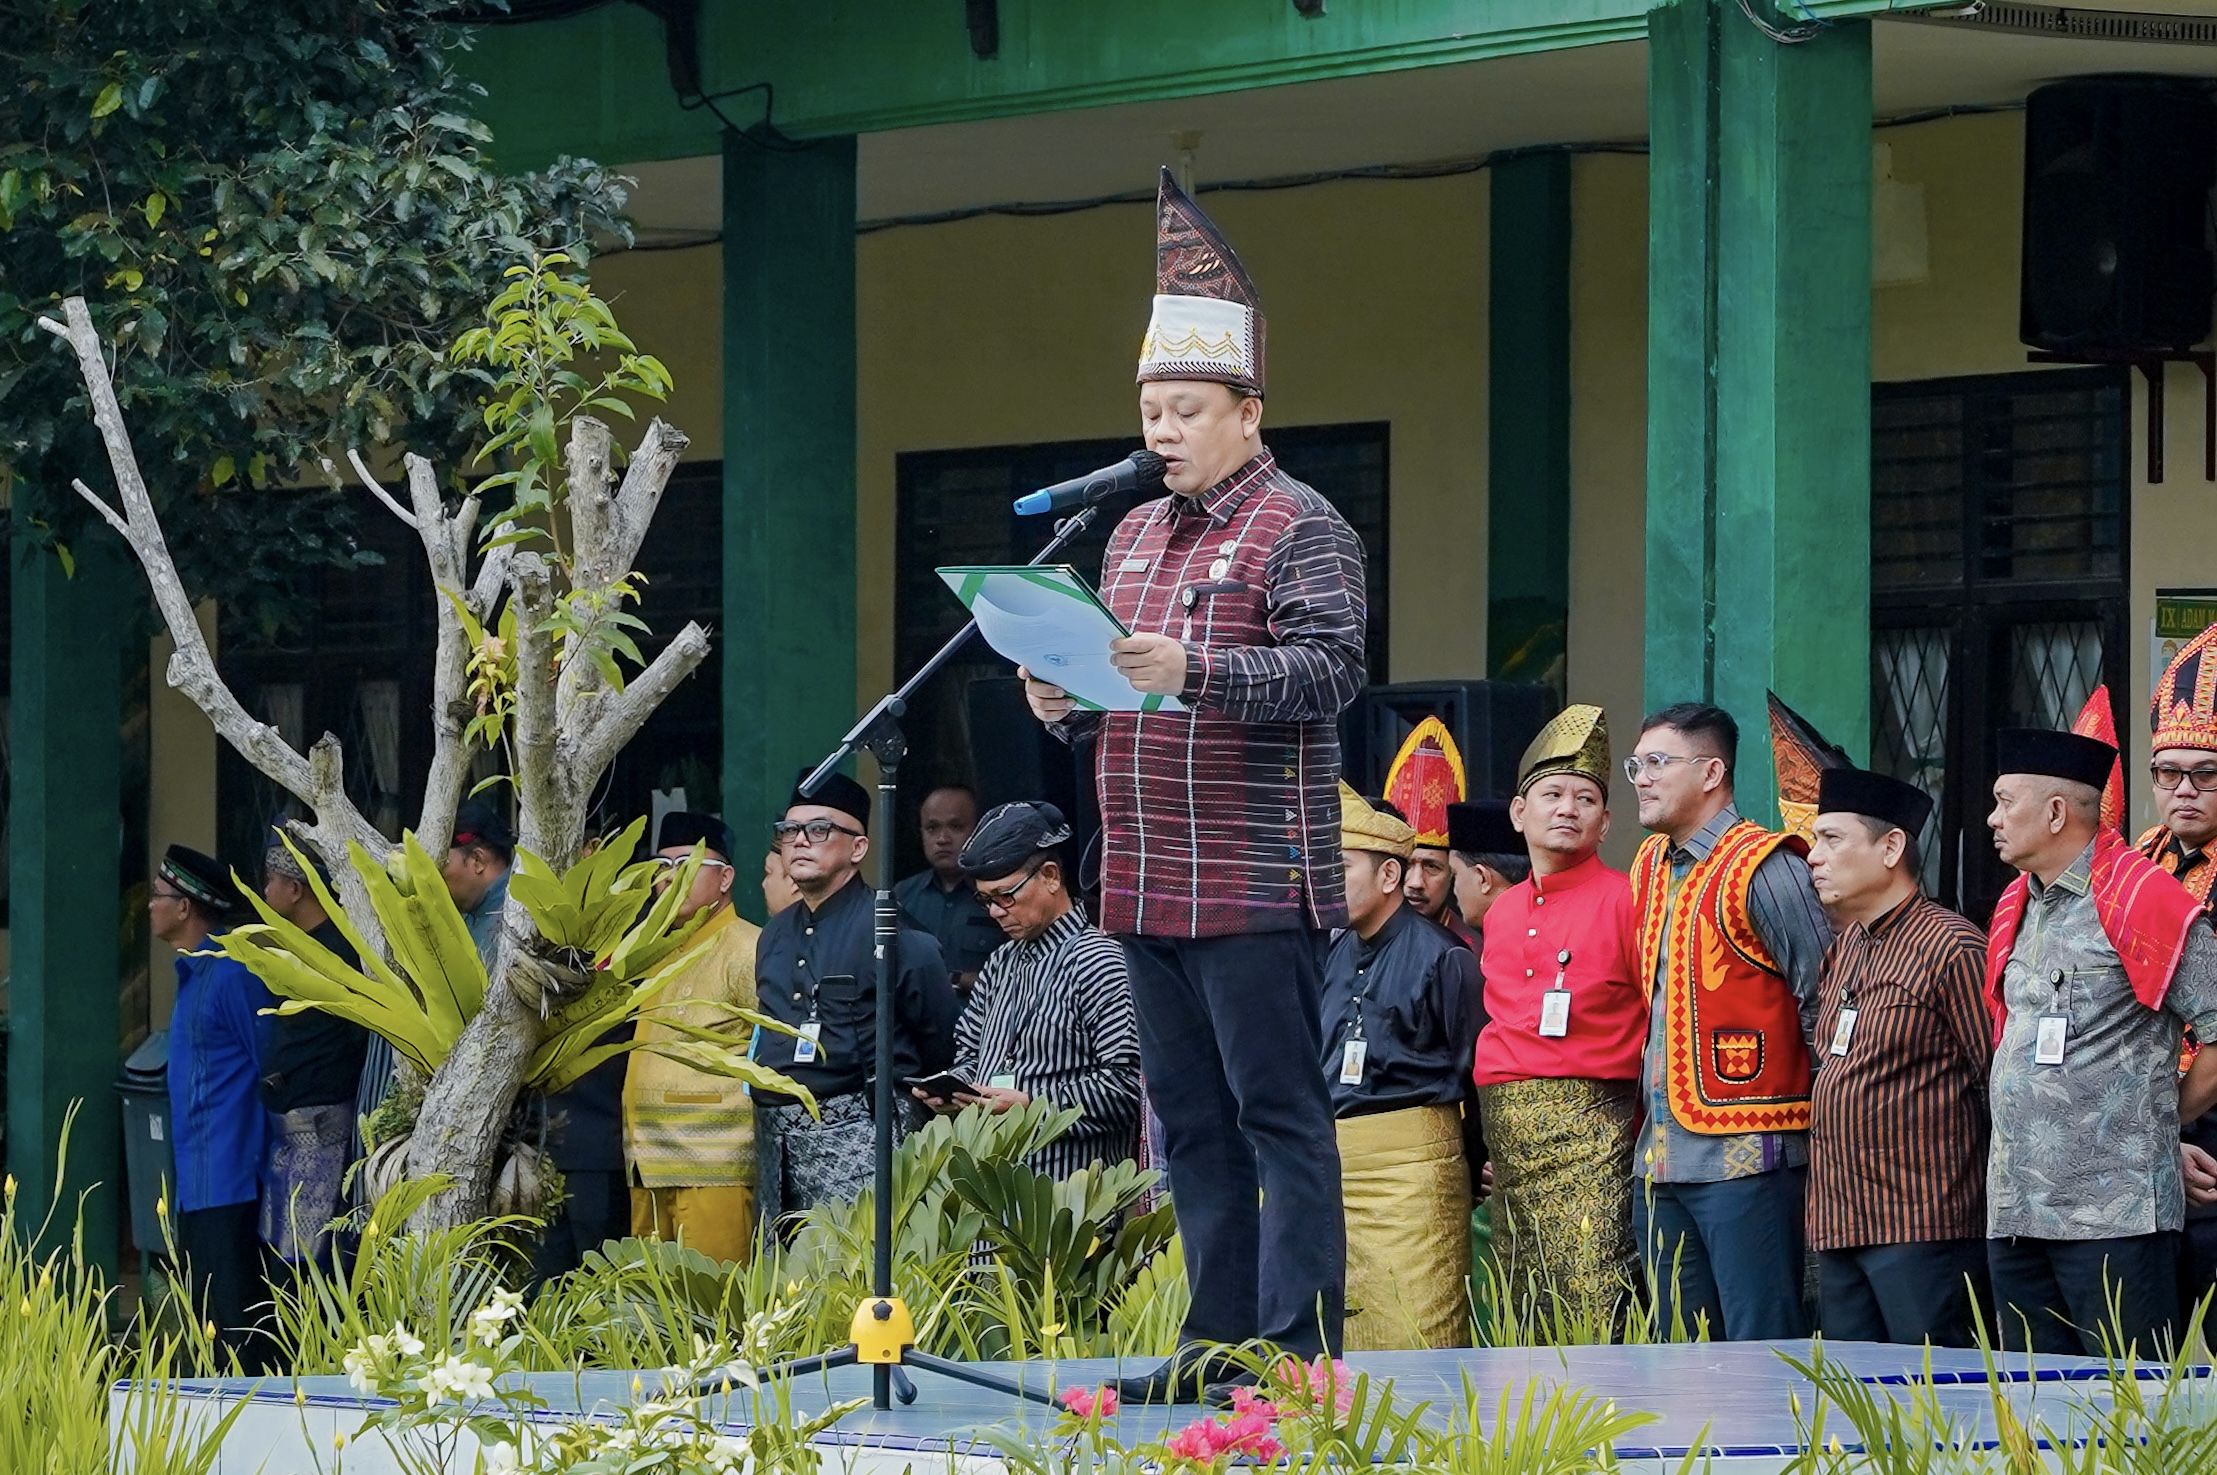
column 1998, row 534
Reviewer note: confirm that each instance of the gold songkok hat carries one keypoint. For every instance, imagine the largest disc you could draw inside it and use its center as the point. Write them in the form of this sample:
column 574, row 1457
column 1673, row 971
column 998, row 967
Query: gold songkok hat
column 1575, row 740
column 2184, row 709
column 1207, row 321
column 1364, row 828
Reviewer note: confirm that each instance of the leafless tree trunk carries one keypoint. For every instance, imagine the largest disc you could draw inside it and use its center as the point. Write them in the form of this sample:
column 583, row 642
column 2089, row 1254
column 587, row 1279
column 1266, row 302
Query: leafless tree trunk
column 569, row 724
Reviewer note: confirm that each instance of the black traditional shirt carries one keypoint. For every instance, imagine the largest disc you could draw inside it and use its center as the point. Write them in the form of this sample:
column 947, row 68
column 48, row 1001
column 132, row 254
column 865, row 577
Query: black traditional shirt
column 965, row 931
column 818, row 968
column 1411, row 992
column 312, row 1058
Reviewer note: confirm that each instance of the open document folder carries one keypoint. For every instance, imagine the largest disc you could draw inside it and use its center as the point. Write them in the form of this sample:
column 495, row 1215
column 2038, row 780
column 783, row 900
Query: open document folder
column 1046, row 619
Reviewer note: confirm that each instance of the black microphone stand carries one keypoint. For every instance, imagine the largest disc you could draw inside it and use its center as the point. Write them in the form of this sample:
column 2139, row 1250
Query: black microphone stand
column 883, row 1331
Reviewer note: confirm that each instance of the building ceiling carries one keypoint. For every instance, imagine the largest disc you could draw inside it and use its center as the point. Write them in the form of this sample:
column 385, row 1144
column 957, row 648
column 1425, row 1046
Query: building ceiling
column 1595, row 94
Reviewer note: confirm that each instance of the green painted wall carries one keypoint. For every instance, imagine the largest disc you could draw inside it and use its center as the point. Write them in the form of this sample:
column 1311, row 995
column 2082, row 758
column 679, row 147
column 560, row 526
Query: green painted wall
column 1528, row 415
column 1759, row 371
column 598, row 84
column 789, row 471
column 64, row 851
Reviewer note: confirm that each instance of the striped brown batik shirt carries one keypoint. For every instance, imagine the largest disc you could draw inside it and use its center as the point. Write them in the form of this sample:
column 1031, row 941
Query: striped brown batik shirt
column 1898, row 1123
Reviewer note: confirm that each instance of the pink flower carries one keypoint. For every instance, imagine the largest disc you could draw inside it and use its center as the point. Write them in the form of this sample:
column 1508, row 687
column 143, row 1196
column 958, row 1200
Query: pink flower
column 1084, row 1403
column 1211, row 1440
column 1313, row 1381
column 1248, row 1401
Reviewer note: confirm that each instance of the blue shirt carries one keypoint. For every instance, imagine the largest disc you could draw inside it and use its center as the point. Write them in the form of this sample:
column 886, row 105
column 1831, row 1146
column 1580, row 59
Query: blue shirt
column 215, row 1110
column 483, row 920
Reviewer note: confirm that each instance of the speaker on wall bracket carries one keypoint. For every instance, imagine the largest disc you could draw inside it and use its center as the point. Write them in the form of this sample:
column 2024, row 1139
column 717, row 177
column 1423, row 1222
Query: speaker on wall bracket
column 2119, row 259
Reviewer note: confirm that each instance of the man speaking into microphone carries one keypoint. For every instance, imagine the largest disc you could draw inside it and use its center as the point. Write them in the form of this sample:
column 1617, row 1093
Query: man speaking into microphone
column 1220, row 824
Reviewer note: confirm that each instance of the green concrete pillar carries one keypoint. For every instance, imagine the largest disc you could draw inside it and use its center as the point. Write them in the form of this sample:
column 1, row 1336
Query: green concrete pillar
column 64, row 855
column 1528, row 415
column 1759, row 372
column 789, row 471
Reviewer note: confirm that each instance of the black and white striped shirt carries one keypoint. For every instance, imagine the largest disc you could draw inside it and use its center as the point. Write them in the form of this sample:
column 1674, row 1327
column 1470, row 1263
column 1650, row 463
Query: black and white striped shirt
column 1055, row 1014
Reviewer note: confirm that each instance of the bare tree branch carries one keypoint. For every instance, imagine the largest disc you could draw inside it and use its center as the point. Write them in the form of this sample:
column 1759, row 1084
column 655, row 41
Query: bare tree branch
column 378, row 487
column 540, row 791
column 446, row 547
column 192, row 669
column 619, row 718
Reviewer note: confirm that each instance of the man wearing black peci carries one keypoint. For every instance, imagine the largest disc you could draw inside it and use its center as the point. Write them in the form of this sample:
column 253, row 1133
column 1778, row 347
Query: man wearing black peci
column 815, row 969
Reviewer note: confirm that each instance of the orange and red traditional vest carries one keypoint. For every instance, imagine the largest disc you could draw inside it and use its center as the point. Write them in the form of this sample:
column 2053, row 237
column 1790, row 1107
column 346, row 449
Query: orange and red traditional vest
column 1734, row 1059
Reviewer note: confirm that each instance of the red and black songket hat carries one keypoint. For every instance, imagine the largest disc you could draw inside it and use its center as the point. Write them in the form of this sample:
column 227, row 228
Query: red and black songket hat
column 2183, row 710
column 1802, row 756
column 1207, row 321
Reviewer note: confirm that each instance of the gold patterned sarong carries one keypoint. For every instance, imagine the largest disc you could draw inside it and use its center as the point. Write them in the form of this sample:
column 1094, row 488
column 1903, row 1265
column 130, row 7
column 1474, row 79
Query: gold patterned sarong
column 1562, row 1202
column 1407, row 1191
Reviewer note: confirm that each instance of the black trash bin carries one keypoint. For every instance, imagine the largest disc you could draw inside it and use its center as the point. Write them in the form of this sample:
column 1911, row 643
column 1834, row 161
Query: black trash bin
column 149, row 1160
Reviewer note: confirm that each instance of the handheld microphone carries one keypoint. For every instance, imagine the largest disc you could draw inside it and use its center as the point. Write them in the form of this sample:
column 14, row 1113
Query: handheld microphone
column 1139, row 471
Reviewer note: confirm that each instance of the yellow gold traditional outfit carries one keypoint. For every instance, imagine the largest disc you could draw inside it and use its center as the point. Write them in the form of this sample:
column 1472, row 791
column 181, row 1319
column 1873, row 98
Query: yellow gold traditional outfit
column 1400, row 1015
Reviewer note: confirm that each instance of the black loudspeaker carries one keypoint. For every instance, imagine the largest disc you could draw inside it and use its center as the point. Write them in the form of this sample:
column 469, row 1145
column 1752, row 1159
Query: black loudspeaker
column 2117, row 254
column 1492, row 723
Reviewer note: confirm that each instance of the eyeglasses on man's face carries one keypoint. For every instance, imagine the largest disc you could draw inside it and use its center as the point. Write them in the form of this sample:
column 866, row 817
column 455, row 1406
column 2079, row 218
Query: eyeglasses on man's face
column 1651, row 765
column 1001, row 901
column 668, row 864
column 2169, row 776
column 814, row 831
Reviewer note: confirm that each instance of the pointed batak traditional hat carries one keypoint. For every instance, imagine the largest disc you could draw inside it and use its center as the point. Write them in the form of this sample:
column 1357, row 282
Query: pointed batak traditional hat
column 1801, row 754
column 1575, row 740
column 2184, row 709
column 1364, row 828
column 2096, row 720
column 1207, row 322
column 1426, row 777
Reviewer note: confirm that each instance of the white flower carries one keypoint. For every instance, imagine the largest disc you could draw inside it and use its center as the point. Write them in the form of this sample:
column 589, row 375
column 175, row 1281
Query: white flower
column 727, row 1453
column 458, row 1378
column 487, row 1321
column 403, row 1341
column 501, row 1459
column 361, row 1368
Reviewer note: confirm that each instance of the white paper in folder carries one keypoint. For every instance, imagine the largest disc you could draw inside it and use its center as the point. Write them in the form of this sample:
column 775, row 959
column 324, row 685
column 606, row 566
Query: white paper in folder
column 1047, row 619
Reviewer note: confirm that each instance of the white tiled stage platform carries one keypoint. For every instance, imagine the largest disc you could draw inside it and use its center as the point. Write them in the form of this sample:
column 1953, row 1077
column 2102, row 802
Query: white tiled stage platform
column 1732, row 1400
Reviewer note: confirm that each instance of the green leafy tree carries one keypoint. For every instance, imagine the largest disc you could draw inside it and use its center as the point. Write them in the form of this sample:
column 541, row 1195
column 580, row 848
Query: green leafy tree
column 280, row 214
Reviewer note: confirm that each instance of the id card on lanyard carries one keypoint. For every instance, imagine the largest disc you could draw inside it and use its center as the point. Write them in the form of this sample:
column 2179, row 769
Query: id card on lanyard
column 1555, row 1002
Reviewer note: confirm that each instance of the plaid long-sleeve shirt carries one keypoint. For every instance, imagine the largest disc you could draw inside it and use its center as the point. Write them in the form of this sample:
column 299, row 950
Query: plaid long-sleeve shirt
column 1224, row 818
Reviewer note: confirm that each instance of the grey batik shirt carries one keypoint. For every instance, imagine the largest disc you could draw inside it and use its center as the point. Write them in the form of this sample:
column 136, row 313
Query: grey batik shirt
column 2088, row 1149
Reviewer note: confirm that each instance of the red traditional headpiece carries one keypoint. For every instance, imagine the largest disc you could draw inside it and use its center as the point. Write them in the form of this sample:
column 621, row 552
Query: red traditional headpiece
column 2184, row 707
column 2096, row 720
column 1426, row 777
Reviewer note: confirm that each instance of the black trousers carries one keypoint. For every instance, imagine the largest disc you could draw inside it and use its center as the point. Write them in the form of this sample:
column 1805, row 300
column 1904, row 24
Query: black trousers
column 1229, row 1042
column 222, row 1251
column 596, row 1206
column 2061, row 1290
column 2198, row 1270
column 1909, row 1293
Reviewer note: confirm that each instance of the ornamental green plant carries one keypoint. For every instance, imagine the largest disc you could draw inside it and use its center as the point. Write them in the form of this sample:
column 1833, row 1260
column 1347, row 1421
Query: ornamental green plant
column 556, row 699
column 611, row 943
column 282, row 213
